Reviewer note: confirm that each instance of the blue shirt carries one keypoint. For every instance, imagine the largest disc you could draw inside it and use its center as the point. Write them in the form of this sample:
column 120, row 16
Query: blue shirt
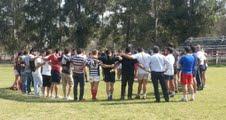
column 187, row 63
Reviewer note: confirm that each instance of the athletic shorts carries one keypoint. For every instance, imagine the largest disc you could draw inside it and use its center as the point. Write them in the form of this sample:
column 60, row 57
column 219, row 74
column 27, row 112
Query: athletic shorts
column 16, row 72
column 109, row 77
column 94, row 78
column 143, row 76
column 66, row 79
column 186, row 79
column 168, row 77
column 203, row 68
column 55, row 77
column 46, row 81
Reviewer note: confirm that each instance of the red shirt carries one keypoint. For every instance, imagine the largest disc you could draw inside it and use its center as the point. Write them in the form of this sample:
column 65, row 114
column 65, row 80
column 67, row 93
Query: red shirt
column 54, row 60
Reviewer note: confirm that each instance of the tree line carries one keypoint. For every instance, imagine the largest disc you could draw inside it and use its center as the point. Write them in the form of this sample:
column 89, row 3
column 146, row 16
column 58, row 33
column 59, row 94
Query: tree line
column 107, row 23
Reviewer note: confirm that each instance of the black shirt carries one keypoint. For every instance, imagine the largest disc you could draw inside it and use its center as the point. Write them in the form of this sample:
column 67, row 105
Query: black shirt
column 128, row 66
column 108, row 60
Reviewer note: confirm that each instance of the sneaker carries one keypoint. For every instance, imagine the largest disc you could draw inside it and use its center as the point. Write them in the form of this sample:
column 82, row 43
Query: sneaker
column 184, row 100
column 192, row 98
column 65, row 98
column 111, row 97
column 69, row 98
column 145, row 97
column 122, row 98
column 137, row 97
column 82, row 100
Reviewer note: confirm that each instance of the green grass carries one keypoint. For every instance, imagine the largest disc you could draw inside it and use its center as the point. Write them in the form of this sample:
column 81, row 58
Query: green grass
column 210, row 103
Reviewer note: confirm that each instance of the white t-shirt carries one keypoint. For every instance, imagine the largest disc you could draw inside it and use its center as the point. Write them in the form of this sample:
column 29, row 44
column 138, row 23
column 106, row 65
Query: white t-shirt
column 170, row 66
column 144, row 59
column 201, row 56
column 46, row 69
column 158, row 62
column 38, row 70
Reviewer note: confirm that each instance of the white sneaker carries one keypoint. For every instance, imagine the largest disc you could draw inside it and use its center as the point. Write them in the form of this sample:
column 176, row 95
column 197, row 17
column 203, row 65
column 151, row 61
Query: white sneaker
column 69, row 98
column 184, row 99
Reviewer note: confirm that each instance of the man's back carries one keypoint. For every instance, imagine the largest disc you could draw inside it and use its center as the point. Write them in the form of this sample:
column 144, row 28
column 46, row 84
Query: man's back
column 187, row 63
column 144, row 59
column 157, row 62
column 78, row 62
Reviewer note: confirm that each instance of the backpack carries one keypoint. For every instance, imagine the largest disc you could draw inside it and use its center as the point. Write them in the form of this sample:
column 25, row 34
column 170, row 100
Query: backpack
column 32, row 65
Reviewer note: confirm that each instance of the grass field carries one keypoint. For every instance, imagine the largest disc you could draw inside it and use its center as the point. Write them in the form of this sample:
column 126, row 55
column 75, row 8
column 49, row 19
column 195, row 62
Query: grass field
column 210, row 104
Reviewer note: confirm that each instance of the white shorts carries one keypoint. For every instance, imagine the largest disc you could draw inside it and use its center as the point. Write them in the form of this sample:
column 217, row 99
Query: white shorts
column 143, row 76
column 16, row 72
column 94, row 78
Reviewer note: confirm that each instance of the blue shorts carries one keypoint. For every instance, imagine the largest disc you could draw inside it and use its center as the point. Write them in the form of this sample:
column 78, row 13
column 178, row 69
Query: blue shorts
column 55, row 77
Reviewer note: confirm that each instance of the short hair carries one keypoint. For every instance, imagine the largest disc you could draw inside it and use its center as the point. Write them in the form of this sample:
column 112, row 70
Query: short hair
column 94, row 52
column 25, row 52
column 108, row 52
column 128, row 50
column 66, row 51
column 187, row 49
column 32, row 50
column 156, row 49
column 140, row 49
column 57, row 50
column 79, row 51
column 170, row 49
column 193, row 49
column 48, row 52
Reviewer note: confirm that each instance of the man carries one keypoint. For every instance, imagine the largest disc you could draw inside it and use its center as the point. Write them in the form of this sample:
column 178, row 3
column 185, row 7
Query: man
column 66, row 74
column 196, row 72
column 46, row 75
column 158, row 65
column 169, row 74
column 79, row 63
column 109, row 73
column 37, row 75
column 187, row 63
column 94, row 73
column 142, row 58
column 55, row 72
column 26, row 73
column 128, row 74
column 202, row 66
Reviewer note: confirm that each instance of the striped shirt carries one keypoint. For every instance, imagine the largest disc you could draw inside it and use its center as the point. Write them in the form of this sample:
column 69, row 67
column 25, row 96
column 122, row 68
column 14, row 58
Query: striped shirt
column 94, row 67
column 78, row 63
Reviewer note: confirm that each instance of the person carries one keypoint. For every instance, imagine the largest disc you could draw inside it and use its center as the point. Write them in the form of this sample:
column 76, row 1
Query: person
column 202, row 66
column 143, row 59
column 26, row 73
column 46, row 75
column 109, row 73
column 128, row 74
column 54, row 60
column 17, row 71
column 158, row 65
column 195, row 72
column 66, row 75
column 169, row 74
column 187, row 63
column 79, row 62
column 94, row 73
column 37, row 75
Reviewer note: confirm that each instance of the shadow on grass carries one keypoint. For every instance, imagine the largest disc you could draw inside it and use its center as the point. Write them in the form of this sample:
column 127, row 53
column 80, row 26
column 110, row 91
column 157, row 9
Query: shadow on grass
column 8, row 94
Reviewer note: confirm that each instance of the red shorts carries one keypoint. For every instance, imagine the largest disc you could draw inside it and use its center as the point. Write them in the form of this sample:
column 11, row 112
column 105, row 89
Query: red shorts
column 186, row 79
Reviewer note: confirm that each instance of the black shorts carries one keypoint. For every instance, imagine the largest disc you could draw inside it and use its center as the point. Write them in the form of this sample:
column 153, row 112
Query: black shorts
column 109, row 77
column 168, row 77
column 55, row 77
column 46, row 81
column 203, row 68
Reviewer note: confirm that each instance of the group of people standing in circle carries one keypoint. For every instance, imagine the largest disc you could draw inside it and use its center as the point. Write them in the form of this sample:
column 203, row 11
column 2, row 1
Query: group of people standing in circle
column 46, row 70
